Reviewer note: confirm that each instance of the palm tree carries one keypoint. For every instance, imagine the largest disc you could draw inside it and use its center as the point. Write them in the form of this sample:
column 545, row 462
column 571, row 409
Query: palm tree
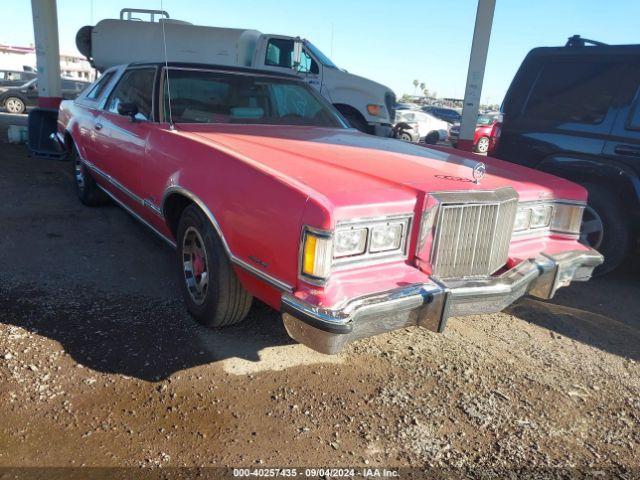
column 422, row 86
column 415, row 85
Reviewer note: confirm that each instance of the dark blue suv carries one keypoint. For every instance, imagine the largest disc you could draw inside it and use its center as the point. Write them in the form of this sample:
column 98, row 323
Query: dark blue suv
column 574, row 111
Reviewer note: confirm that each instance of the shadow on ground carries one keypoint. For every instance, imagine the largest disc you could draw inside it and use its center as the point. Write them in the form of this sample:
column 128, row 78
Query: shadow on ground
column 137, row 337
column 604, row 312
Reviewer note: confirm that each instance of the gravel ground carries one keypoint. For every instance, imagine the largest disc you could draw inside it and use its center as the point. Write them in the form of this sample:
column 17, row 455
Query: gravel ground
column 100, row 366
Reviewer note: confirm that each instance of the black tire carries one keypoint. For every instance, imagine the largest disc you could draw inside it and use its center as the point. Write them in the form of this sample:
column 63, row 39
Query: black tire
column 405, row 136
column 355, row 120
column 224, row 301
column 615, row 243
column 432, row 138
column 87, row 190
column 14, row 105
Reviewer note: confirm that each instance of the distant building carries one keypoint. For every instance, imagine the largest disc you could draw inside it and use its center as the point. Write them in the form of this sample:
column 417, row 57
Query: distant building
column 24, row 58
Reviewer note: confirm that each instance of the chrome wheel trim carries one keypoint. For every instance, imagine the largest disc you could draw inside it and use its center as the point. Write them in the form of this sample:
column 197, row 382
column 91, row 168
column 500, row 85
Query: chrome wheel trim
column 78, row 171
column 14, row 105
column 592, row 228
column 195, row 265
column 483, row 145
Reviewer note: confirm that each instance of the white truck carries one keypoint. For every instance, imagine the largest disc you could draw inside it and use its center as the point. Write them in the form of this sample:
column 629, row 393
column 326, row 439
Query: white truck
column 366, row 105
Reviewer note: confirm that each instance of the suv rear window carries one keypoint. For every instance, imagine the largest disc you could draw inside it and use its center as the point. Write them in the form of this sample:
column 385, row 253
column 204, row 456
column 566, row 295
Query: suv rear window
column 575, row 92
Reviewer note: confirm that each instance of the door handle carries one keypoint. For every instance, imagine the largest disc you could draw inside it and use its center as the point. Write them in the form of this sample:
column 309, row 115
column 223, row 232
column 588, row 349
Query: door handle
column 98, row 126
column 630, row 150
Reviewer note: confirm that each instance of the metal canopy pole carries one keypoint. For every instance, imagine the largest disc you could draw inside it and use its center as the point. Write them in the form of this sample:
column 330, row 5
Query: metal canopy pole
column 475, row 75
column 45, row 32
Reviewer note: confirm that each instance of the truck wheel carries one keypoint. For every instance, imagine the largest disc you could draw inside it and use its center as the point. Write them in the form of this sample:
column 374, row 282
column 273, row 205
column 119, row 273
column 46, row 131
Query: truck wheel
column 88, row 191
column 214, row 295
column 14, row 105
column 432, row 138
column 358, row 123
column 483, row 145
column 605, row 228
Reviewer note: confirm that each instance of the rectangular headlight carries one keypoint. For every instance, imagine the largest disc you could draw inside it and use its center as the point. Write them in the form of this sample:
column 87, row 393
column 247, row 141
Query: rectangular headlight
column 352, row 241
column 523, row 220
column 540, row 216
column 386, row 237
column 567, row 218
column 317, row 255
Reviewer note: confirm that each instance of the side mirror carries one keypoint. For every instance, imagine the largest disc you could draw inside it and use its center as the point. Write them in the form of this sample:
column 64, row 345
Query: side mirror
column 128, row 109
column 297, row 53
column 31, row 87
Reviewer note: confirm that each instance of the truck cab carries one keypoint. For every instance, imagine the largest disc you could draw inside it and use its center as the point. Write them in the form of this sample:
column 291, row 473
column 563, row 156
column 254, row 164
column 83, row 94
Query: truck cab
column 365, row 104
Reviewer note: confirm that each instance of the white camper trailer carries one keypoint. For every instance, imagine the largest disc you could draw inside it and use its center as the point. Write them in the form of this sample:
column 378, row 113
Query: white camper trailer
column 367, row 105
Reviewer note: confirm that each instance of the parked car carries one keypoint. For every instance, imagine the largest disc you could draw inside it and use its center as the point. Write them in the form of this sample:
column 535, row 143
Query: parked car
column 574, row 111
column 365, row 104
column 423, row 127
column 486, row 135
column 447, row 114
column 15, row 78
column 17, row 99
column 264, row 192
column 406, row 106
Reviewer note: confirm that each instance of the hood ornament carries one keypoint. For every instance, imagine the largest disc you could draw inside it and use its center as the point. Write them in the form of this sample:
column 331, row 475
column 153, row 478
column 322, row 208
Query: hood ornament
column 479, row 171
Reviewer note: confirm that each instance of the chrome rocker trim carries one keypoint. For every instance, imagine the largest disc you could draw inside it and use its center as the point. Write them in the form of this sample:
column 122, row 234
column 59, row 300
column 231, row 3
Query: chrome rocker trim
column 429, row 305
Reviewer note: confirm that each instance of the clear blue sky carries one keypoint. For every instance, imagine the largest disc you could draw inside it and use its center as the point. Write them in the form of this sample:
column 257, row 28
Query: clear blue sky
column 390, row 42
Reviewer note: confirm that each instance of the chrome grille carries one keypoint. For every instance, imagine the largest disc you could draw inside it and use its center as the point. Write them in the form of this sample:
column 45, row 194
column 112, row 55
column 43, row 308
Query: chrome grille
column 472, row 239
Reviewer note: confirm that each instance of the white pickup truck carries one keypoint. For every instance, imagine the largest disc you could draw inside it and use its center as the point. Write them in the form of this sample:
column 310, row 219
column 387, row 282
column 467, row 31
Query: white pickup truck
column 366, row 105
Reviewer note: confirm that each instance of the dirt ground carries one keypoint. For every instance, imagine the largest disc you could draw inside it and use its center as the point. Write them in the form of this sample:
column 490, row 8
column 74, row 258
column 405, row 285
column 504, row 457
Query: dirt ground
column 101, row 366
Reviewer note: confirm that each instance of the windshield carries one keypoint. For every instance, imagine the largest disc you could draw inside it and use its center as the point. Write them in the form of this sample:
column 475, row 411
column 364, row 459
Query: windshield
column 199, row 96
column 321, row 57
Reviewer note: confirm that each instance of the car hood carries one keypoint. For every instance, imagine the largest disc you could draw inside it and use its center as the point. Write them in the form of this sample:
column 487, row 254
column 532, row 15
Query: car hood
column 332, row 162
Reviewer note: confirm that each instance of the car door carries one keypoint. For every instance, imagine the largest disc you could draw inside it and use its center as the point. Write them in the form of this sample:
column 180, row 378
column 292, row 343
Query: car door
column 68, row 89
column 121, row 140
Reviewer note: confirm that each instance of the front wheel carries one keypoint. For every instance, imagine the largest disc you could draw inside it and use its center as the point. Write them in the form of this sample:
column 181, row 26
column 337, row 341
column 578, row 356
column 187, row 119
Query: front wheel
column 432, row 138
column 405, row 136
column 14, row 105
column 605, row 228
column 213, row 294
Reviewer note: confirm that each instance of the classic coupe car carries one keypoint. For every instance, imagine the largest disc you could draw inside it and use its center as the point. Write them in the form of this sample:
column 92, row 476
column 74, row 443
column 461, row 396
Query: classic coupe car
column 265, row 192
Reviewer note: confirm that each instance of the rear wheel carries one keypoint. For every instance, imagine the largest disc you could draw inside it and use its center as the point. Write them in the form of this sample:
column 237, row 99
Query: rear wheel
column 87, row 190
column 405, row 136
column 605, row 228
column 483, row 145
column 14, row 105
column 213, row 294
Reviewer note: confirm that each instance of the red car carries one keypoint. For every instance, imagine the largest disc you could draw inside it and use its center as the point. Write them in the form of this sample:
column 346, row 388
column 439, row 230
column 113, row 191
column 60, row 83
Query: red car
column 265, row 192
column 487, row 134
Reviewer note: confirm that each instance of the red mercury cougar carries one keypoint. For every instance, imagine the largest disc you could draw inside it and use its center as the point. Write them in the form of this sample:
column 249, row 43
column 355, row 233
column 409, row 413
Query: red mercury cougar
column 264, row 191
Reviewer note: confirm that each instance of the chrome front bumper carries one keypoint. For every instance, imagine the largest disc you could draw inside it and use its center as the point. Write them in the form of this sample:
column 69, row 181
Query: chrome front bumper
column 430, row 304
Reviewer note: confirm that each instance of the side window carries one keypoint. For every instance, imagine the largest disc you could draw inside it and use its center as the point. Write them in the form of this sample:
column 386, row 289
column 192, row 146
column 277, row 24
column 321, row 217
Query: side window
column 98, row 88
column 574, row 92
column 135, row 86
column 279, row 52
column 308, row 64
